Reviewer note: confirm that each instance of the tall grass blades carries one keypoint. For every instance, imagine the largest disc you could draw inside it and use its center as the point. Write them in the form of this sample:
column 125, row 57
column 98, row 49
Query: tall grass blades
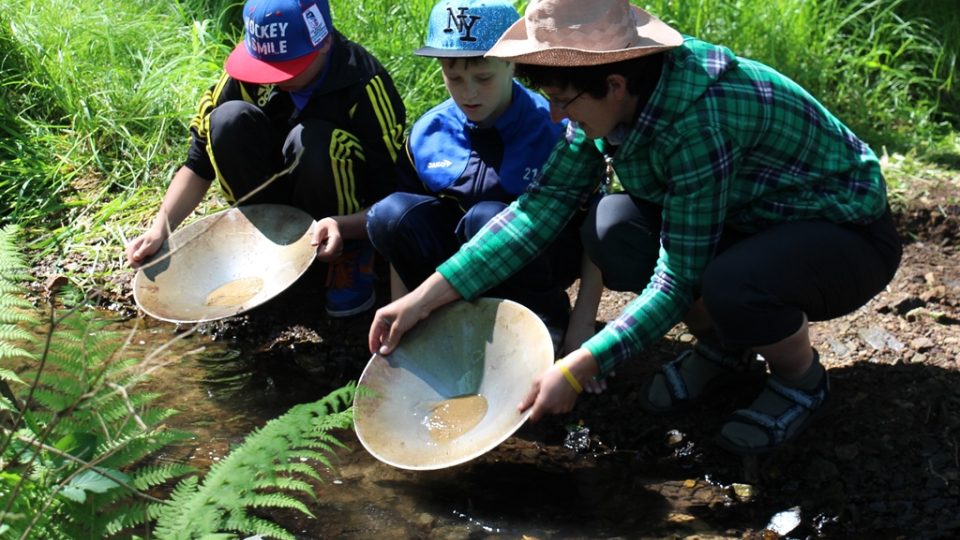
column 873, row 68
column 24, row 169
column 944, row 17
column 392, row 31
column 107, row 87
column 891, row 66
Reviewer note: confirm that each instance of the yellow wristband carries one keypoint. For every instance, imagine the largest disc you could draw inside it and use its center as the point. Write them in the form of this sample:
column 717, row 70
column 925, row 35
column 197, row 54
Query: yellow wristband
column 570, row 378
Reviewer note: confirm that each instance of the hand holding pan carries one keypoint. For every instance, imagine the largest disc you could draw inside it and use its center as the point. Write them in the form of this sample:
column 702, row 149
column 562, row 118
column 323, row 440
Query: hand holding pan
column 225, row 264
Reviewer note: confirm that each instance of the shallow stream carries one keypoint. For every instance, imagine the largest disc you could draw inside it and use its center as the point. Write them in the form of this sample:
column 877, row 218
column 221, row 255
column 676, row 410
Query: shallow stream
column 534, row 485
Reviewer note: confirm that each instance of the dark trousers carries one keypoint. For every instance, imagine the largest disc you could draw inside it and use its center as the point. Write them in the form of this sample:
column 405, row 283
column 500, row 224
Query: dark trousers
column 248, row 150
column 759, row 286
column 417, row 232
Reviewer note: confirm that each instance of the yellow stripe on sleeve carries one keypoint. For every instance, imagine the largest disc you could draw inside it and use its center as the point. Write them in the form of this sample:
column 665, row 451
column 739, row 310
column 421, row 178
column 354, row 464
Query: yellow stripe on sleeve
column 345, row 149
column 383, row 109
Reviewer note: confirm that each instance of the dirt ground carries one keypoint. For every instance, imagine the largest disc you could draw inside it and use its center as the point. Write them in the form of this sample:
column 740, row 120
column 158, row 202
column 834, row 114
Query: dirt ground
column 885, row 463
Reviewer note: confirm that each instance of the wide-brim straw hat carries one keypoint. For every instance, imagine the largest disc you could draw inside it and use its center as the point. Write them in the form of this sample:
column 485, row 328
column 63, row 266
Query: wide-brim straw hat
column 583, row 33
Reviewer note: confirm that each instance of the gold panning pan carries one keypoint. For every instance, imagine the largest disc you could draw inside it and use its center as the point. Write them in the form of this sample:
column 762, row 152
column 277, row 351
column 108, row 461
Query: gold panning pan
column 449, row 392
column 225, row 263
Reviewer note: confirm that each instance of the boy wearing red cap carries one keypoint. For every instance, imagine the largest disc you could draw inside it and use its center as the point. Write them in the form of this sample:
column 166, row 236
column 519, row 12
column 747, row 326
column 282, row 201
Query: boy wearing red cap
column 300, row 98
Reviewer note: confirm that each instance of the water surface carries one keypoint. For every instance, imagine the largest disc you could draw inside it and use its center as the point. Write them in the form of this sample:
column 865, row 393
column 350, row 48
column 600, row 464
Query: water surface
column 527, row 487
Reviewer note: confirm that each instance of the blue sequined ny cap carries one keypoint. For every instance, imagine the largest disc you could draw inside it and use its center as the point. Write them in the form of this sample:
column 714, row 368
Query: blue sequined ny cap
column 462, row 28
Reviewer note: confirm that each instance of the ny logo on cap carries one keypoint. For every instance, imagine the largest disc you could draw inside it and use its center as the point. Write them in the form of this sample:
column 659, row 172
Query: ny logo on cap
column 463, row 22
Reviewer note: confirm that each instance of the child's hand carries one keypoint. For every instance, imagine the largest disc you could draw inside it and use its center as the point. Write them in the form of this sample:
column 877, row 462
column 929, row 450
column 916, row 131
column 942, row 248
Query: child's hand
column 142, row 247
column 552, row 393
column 596, row 386
column 325, row 236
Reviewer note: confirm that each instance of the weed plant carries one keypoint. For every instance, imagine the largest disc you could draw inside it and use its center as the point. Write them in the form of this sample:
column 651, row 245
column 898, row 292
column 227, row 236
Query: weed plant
column 943, row 16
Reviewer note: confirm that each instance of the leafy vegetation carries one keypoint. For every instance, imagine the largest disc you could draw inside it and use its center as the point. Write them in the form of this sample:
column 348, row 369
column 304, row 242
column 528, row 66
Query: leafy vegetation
column 265, row 472
column 72, row 425
column 77, row 434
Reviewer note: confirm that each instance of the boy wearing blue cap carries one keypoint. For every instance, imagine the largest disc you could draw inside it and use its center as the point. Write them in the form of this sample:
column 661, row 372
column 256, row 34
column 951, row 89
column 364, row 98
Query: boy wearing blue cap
column 296, row 97
column 470, row 157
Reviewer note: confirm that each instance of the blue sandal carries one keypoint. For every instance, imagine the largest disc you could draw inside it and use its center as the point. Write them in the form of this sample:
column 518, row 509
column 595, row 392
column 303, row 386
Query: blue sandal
column 805, row 407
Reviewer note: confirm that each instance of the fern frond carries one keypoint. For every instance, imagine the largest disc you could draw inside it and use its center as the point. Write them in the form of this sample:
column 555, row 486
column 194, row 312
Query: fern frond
column 9, row 376
column 113, row 405
column 6, row 404
column 8, row 284
column 299, row 468
column 120, row 519
column 277, row 500
column 13, row 317
column 11, row 333
column 286, row 483
column 341, row 398
column 53, row 400
column 150, row 476
column 133, row 448
column 9, row 301
column 260, row 527
column 8, row 351
column 184, row 490
column 265, row 461
column 319, row 457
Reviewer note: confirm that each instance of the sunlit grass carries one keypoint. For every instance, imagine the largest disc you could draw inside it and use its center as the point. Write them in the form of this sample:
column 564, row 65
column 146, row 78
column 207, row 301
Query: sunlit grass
column 875, row 70
column 391, row 31
column 95, row 96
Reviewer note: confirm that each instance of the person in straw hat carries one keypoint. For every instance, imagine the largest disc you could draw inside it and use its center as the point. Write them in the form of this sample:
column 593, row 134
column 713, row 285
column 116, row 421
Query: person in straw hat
column 467, row 159
column 748, row 210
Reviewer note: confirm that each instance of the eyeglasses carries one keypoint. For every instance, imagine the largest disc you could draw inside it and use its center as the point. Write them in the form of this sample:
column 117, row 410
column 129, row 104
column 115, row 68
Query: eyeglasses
column 553, row 101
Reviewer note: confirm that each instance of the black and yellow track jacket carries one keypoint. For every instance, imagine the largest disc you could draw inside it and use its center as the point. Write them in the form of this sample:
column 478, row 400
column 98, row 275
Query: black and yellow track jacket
column 357, row 95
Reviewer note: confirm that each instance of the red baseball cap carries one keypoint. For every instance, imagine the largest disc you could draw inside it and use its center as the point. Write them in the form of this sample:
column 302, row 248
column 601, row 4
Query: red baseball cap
column 281, row 39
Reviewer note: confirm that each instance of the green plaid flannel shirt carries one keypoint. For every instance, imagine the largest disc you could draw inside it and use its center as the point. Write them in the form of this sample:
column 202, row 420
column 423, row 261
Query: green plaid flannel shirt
column 723, row 142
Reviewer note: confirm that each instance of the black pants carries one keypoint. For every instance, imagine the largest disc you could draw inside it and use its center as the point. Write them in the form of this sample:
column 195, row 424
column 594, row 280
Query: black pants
column 247, row 150
column 759, row 286
column 417, row 232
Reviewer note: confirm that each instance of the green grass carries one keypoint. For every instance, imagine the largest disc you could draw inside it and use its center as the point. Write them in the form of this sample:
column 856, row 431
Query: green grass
column 943, row 15
column 95, row 95
column 877, row 71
